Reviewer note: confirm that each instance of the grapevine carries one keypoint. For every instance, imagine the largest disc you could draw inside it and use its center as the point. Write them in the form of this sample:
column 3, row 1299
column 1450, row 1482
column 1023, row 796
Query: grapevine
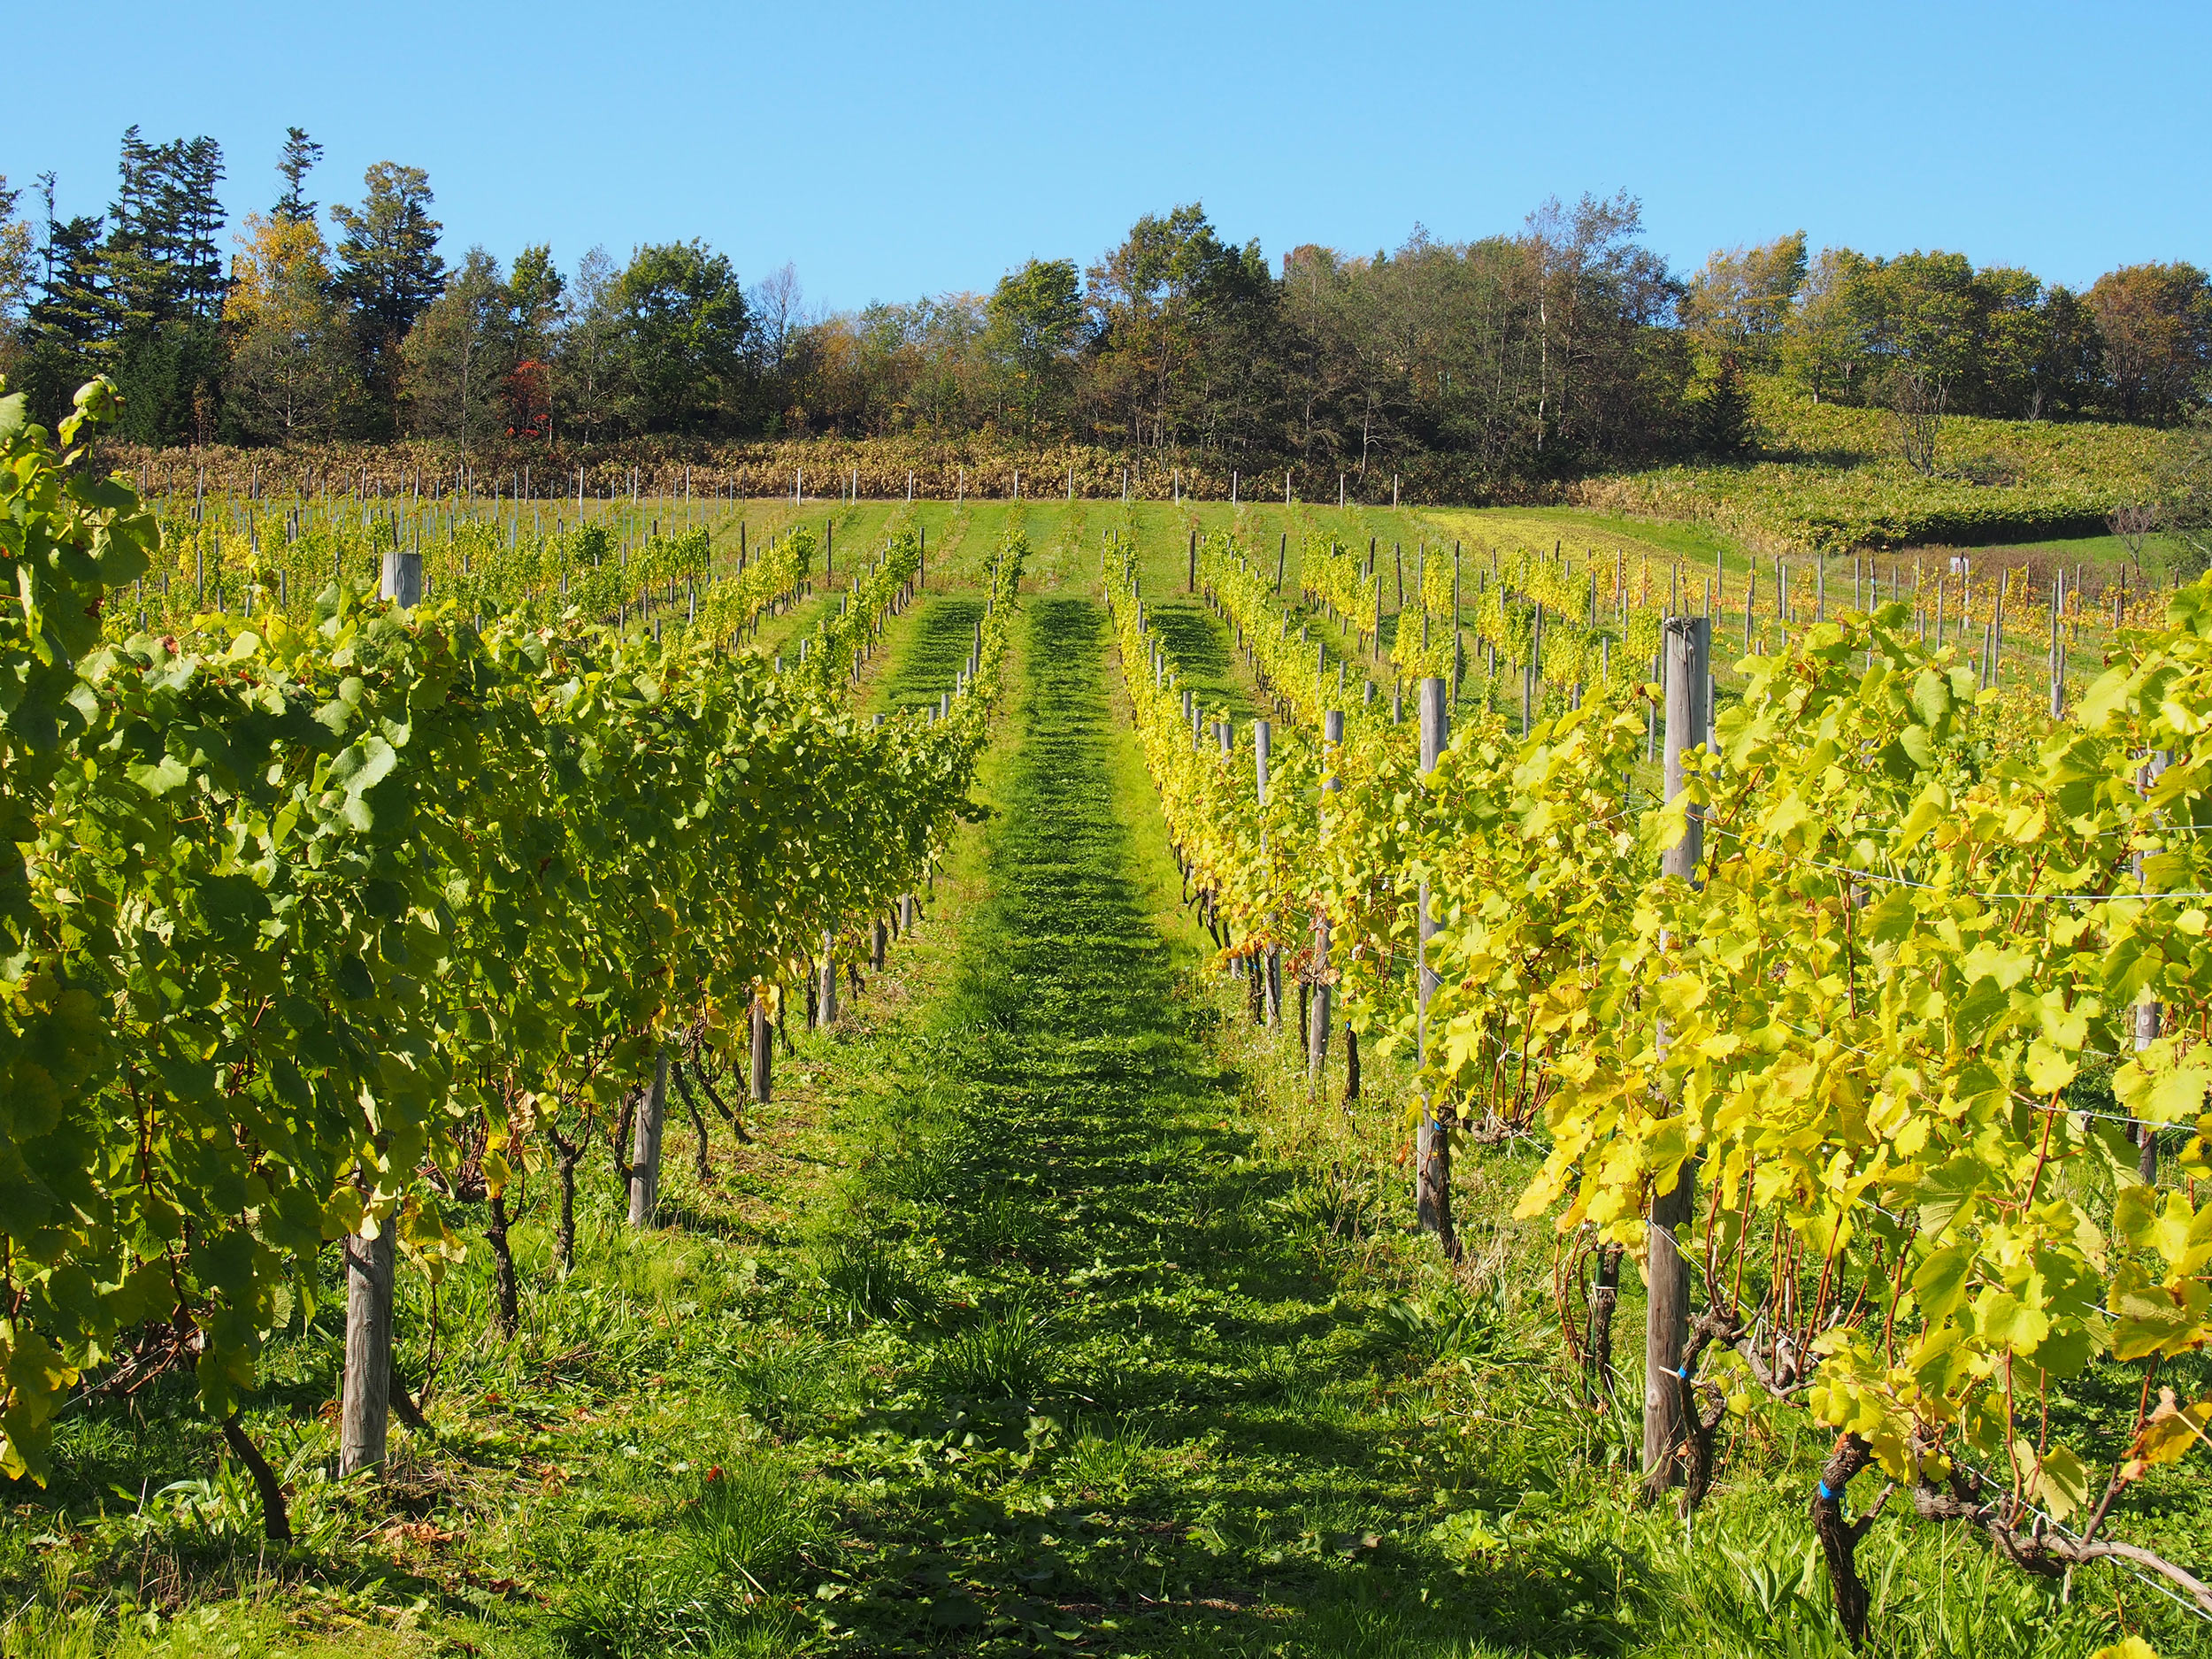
column 1855, row 1035
column 310, row 911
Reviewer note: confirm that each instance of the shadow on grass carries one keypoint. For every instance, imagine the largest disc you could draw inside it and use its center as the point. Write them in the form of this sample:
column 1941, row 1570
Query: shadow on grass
column 1145, row 1307
column 936, row 652
column 1203, row 652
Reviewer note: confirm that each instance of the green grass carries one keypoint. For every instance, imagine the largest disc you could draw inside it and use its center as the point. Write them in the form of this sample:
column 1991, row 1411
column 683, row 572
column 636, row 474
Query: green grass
column 1826, row 477
column 1049, row 1312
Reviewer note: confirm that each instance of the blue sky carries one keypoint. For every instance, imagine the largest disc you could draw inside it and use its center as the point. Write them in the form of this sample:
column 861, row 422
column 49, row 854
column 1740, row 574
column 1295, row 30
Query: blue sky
column 892, row 151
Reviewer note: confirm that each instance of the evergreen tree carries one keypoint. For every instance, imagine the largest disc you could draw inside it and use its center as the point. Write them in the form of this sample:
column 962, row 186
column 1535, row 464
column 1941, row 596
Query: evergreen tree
column 1720, row 411
column 161, row 263
column 62, row 323
column 161, row 286
column 389, row 272
column 192, row 217
column 301, row 153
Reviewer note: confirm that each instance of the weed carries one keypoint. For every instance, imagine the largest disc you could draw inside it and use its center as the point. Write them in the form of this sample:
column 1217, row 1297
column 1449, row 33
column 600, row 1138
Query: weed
column 1009, row 1355
column 1104, row 1460
column 785, row 1382
column 867, row 1278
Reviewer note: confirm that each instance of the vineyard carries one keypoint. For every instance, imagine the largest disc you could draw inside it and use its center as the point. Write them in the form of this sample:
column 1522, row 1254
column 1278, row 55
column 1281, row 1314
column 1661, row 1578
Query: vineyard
column 657, row 1070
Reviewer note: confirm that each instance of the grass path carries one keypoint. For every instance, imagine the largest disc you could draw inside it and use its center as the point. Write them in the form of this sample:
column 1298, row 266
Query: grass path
column 1129, row 1408
column 1145, row 1364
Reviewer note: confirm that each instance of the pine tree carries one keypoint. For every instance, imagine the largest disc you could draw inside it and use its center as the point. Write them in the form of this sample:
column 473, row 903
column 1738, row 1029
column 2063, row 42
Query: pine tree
column 1720, row 422
column 68, row 308
column 64, row 322
column 161, row 286
column 193, row 219
column 301, row 153
column 130, row 281
column 388, row 271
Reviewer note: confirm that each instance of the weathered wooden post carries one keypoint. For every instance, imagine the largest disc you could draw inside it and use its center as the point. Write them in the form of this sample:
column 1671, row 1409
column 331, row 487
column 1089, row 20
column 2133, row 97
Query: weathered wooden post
column 645, row 1147
column 2150, row 1016
column 365, row 1405
column 826, row 986
column 763, row 1049
column 1433, row 1150
column 400, row 580
column 1997, row 628
column 2058, row 648
column 1685, row 646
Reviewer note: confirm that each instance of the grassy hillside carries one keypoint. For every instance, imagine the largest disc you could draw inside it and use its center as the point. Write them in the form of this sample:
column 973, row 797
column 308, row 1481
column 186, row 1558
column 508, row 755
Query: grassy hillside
column 1827, row 478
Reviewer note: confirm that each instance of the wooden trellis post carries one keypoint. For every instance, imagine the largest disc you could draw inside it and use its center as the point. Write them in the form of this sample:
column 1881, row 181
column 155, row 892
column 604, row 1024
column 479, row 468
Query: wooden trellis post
column 1686, row 645
column 1432, row 1151
column 645, row 1147
column 366, row 1400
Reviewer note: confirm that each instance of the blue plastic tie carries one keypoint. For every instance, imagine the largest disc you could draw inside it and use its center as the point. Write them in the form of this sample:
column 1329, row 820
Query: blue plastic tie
column 1825, row 1492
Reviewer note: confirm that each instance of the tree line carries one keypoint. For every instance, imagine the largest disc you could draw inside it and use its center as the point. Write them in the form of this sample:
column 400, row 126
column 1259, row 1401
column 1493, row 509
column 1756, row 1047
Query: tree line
column 1566, row 346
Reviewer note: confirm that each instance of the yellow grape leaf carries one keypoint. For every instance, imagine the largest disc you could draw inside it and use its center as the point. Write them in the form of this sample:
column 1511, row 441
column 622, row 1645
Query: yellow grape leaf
column 35, row 1377
column 2127, row 1648
column 1940, row 1282
column 2049, row 1070
column 2004, row 1318
column 2169, row 1434
column 2057, row 1480
column 2135, row 1214
column 2152, row 1319
column 1927, row 812
column 2177, row 1096
column 2163, row 1097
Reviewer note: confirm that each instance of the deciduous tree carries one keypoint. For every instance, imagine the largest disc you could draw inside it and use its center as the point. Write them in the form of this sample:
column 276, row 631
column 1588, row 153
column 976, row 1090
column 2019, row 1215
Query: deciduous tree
column 1036, row 326
column 1737, row 306
column 456, row 359
column 292, row 374
column 684, row 327
column 2156, row 324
